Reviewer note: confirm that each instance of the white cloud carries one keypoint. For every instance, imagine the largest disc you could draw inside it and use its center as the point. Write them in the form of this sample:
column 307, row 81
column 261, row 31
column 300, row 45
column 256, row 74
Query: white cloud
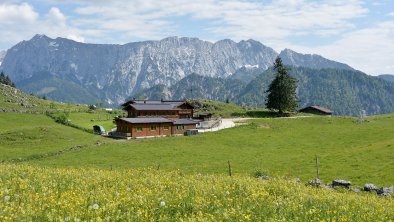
column 370, row 50
column 391, row 14
column 236, row 19
column 76, row 38
column 274, row 23
column 21, row 21
column 16, row 14
column 56, row 16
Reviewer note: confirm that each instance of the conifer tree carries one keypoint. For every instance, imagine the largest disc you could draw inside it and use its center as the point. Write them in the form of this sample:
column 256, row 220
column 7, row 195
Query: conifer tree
column 282, row 90
column 6, row 80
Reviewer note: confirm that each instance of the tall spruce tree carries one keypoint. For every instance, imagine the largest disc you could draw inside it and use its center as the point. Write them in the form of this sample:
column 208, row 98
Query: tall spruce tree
column 282, row 90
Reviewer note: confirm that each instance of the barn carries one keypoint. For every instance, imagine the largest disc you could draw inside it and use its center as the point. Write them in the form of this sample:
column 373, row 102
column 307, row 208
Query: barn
column 318, row 110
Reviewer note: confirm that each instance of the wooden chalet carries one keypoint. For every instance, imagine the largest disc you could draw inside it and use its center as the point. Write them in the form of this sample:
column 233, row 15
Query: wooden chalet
column 316, row 110
column 156, row 118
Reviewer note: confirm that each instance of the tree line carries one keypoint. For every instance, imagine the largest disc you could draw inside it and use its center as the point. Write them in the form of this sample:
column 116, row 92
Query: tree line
column 5, row 79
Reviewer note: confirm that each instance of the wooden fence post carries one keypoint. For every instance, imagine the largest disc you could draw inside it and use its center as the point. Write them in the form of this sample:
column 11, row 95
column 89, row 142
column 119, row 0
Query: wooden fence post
column 317, row 167
column 229, row 169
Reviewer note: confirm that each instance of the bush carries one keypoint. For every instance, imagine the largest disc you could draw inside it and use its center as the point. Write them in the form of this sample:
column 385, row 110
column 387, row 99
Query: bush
column 62, row 118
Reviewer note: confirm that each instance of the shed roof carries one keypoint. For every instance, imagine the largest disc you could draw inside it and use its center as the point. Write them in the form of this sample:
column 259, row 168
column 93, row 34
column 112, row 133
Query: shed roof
column 147, row 120
column 322, row 109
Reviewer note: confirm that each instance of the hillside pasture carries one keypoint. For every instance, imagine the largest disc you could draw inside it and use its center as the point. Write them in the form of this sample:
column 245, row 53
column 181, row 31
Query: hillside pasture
column 12, row 99
column 359, row 152
column 88, row 120
column 27, row 135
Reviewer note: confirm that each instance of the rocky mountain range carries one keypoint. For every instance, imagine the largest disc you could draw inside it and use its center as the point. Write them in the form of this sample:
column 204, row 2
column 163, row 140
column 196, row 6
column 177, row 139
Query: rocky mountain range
column 114, row 72
column 2, row 55
column 172, row 68
column 387, row 77
column 292, row 58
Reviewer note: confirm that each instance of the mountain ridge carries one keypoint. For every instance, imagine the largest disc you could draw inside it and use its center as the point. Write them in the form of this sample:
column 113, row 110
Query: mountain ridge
column 121, row 70
column 292, row 58
column 346, row 92
column 111, row 73
column 387, row 77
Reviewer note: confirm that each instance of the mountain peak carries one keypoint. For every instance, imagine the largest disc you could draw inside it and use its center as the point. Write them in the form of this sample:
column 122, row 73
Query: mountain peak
column 225, row 41
column 39, row 37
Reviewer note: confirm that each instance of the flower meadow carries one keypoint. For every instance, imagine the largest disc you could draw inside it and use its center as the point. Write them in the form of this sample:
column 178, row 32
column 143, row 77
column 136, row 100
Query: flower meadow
column 31, row 193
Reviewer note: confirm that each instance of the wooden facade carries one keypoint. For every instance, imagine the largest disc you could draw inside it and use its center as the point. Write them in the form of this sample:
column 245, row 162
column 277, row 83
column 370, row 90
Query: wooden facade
column 156, row 118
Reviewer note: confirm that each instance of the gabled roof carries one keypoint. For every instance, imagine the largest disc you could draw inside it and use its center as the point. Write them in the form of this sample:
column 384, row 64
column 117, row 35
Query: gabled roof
column 155, row 105
column 177, row 102
column 322, row 109
column 147, row 120
column 148, row 106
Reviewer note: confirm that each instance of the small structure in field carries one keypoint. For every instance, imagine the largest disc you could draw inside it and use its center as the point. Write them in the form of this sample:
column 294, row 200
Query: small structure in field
column 98, row 129
column 316, row 110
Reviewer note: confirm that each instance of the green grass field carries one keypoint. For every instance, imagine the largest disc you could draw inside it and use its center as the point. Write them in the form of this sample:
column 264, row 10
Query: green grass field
column 360, row 153
column 27, row 135
column 15, row 99
column 185, row 178
column 88, row 120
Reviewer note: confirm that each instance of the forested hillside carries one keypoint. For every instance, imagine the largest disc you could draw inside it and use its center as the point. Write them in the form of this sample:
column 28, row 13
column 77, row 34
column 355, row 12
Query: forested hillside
column 346, row 92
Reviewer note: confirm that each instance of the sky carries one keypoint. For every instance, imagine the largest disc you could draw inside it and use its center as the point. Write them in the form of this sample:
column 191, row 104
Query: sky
column 356, row 32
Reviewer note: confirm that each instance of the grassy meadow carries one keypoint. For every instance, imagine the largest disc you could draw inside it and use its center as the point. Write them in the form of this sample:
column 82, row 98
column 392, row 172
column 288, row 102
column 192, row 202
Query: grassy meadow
column 30, row 193
column 53, row 172
column 357, row 152
column 12, row 99
column 28, row 135
column 88, row 119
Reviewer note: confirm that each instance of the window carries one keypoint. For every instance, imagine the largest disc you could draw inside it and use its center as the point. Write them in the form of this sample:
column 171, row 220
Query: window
column 166, row 127
column 180, row 127
column 138, row 129
column 152, row 128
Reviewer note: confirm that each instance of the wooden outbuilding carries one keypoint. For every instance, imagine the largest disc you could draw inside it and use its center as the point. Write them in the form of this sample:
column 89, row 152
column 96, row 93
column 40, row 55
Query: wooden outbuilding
column 205, row 116
column 318, row 110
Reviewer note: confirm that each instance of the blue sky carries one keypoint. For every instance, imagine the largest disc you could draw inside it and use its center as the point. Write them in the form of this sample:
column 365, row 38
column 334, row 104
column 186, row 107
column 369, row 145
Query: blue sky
column 359, row 33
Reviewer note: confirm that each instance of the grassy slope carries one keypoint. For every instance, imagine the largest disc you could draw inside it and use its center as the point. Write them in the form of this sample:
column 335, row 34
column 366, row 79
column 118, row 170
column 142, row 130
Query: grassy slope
column 88, row 120
column 229, row 109
column 11, row 99
column 23, row 135
column 357, row 152
column 40, row 194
